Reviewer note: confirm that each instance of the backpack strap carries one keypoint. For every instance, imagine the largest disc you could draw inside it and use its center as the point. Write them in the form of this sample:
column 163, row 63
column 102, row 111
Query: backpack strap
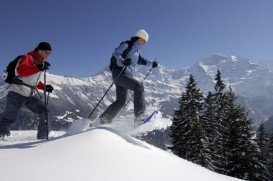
column 128, row 49
column 113, row 62
column 20, row 82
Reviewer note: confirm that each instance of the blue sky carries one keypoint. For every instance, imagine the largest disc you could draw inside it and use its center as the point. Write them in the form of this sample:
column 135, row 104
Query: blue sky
column 84, row 33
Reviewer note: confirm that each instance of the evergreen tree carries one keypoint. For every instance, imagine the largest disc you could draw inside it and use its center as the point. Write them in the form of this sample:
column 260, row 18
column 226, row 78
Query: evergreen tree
column 218, row 116
column 219, row 86
column 270, row 158
column 187, row 135
column 240, row 151
column 254, row 168
column 263, row 140
column 217, row 134
column 231, row 135
column 209, row 126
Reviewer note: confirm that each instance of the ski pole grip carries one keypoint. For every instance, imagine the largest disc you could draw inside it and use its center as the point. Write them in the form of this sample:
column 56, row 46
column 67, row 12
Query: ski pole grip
column 153, row 65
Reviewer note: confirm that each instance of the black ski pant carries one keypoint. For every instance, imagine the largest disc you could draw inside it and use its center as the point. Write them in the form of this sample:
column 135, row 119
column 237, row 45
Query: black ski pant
column 124, row 83
column 13, row 104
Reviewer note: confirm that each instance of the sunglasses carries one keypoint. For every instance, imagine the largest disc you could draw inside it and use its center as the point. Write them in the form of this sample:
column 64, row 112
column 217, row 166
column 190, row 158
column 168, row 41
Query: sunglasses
column 48, row 52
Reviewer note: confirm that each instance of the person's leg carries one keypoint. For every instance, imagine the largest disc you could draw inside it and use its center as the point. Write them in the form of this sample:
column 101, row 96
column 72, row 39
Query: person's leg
column 13, row 104
column 109, row 114
column 131, row 83
column 36, row 106
column 139, row 101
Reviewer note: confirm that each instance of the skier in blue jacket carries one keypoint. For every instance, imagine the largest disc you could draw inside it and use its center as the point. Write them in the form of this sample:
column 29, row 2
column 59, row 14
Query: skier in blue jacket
column 127, row 54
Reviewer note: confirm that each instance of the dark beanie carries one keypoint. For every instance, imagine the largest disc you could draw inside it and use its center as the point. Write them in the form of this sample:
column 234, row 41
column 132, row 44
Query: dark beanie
column 43, row 46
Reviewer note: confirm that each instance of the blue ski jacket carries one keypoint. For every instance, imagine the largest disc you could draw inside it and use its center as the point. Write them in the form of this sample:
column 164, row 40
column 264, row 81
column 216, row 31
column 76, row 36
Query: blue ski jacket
column 133, row 54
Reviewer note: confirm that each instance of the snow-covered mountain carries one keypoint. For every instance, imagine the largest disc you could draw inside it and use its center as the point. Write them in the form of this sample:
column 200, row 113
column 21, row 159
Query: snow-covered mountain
column 74, row 98
column 101, row 154
column 252, row 82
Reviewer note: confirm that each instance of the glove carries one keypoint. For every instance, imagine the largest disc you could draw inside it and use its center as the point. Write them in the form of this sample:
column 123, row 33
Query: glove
column 43, row 66
column 49, row 88
column 127, row 62
column 155, row 64
column 46, row 64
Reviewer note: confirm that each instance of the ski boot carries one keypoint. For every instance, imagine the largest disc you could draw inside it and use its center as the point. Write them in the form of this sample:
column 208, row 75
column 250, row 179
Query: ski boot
column 139, row 120
column 42, row 132
column 4, row 132
column 42, row 135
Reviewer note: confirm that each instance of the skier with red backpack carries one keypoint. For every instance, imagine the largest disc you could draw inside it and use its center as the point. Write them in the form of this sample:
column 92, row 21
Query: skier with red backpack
column 25, row 74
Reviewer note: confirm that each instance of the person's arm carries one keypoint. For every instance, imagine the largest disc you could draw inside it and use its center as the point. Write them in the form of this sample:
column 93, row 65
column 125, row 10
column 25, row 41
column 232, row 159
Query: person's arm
column 26, row 66
column 144, row 61
column 118, row 53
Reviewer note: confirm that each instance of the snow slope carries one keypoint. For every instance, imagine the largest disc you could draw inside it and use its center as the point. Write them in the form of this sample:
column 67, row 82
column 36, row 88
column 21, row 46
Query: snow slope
column 99, row 154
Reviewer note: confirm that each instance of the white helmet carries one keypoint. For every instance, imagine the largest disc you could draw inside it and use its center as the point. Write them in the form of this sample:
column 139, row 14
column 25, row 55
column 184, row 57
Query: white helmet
column 142, row 34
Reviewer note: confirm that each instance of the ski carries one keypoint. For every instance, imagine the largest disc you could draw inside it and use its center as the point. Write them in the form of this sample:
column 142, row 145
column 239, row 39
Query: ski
column 149, row 118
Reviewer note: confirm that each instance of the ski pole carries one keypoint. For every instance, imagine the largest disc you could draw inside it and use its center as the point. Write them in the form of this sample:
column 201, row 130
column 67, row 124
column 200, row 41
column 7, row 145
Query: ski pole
column 47, row 98
column 123, row 69
column 46, row 112
column 140, row 83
